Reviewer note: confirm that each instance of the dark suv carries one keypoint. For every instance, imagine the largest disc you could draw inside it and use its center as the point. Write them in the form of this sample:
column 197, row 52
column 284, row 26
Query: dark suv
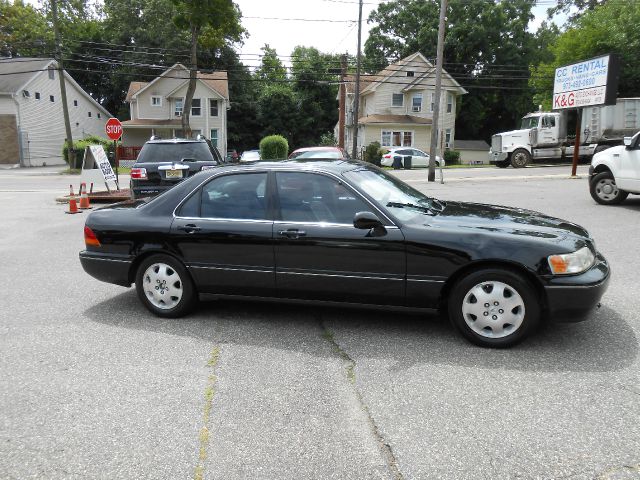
column 161, row 164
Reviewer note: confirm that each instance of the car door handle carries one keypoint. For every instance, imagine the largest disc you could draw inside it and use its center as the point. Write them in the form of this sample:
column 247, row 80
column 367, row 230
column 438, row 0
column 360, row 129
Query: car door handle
column 190, row 228
column 292, row 233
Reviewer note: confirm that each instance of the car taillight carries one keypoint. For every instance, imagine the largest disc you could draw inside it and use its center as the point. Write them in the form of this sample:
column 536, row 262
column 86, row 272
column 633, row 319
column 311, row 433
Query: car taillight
column 139, row 173
column 90, row 239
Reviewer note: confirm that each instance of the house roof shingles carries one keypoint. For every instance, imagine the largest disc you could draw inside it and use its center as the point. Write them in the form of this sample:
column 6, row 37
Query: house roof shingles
column 16, row 72
column 215, row 80
column 397, row 119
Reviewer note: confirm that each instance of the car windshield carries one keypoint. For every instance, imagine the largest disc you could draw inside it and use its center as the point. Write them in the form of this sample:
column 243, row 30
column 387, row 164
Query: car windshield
column 251, row 155
column 174, row 152
column 400, row 199
column 317, row 154
column 529, row 122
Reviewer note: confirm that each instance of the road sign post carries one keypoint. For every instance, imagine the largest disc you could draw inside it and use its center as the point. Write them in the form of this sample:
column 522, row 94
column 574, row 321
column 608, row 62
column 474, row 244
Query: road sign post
column 113, row 129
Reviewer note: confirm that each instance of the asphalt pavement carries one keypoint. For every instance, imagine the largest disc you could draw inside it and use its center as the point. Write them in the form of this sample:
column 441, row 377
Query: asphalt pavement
column 93, row 386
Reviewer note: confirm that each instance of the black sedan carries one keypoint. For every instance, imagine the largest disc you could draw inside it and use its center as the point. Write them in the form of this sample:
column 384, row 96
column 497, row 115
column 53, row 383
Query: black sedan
column 345, row 232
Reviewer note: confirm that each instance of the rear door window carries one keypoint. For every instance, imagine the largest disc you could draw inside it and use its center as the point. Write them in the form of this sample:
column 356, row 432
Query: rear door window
column 240, row 196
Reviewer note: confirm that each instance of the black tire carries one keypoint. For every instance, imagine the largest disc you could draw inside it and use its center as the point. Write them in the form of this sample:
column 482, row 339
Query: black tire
column 603, row 189
column 503, row 163
column 498, row 288
column 167, row 291
column 520, row 158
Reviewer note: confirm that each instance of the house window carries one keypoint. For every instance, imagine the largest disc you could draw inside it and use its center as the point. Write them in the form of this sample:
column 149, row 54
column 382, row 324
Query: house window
column 416, row 103
column 196, row 111
column 396, row 138
column 447, row 138
column 89, row 114
column 410, row 73
column 214, row 137
column 449, row 103
column 179, row 107
column 37, row 95
column 52, row 73
column 156, row 101
column 99, row 115
column 433, row 102
column 397, row 100
column 51, row 98
column 75, row 103
column 213, row 107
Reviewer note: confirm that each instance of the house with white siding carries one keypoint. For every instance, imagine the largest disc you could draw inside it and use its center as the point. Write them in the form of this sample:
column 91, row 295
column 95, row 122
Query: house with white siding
column 397, row 105
column 32, row 130
column 156, row 107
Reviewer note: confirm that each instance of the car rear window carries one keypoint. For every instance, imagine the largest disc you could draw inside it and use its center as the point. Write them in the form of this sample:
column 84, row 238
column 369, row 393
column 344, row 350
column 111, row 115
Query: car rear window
column 174, row 152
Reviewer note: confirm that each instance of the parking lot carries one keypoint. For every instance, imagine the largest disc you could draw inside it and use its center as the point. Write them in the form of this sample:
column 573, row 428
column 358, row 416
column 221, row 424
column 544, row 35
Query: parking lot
column 94, row 386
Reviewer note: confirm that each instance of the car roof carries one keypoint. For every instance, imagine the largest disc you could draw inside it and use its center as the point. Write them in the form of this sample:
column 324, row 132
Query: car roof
column 317, row 149
column 310, row 164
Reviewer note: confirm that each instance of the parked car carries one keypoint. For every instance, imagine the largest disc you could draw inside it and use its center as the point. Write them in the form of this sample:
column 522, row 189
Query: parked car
column 615, row 172
column 250, row 156
column 319, row 152
column 418, row 157
column 161, row 164
column 232, row 156
column 346, row 232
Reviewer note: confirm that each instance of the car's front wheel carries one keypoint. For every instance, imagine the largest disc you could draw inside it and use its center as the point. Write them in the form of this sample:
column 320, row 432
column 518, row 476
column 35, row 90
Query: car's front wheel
column 494, row 307
column 165, row 287
column 604, row 190
column 520, row 158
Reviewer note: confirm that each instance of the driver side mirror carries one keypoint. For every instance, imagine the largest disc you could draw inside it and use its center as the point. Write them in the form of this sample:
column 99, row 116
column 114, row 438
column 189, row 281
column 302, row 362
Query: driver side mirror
column 369, row 221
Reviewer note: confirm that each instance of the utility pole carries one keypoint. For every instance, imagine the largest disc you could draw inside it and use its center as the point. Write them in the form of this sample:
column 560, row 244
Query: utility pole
column 342, row 102
column 71, row 154
column 357, row 96
column 436, row 109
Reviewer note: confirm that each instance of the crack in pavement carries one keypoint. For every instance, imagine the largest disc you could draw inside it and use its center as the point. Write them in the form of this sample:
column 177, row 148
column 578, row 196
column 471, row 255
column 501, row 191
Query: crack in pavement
column 209, row 393
column 350, row 372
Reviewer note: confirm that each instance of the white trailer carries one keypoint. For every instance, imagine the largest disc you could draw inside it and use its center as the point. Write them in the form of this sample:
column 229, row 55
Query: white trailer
column 544, row 135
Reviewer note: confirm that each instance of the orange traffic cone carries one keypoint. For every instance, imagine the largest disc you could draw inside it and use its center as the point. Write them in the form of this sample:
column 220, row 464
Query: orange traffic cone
column 73, row 205
column 84, row 198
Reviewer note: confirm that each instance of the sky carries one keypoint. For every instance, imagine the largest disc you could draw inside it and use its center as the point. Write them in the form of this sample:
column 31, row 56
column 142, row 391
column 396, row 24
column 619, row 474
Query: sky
column 334, row 36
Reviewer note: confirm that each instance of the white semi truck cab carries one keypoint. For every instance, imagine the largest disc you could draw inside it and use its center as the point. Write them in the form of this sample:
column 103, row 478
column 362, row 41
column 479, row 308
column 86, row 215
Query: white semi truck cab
column 543, row 135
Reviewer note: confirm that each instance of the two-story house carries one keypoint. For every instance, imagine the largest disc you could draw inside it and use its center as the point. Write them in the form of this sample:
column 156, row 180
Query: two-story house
column 397, row 104
column 156, row 107
column 32, row 130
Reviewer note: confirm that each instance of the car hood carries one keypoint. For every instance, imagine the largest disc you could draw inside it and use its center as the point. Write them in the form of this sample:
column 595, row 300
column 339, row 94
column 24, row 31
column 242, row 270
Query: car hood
column 505, row 220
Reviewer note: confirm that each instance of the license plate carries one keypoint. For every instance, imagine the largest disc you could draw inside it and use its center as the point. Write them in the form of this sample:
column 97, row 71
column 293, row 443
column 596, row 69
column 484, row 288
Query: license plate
column 173, row 173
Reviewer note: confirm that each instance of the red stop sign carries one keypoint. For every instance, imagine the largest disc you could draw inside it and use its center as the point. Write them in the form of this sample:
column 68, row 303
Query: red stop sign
column 113, row 128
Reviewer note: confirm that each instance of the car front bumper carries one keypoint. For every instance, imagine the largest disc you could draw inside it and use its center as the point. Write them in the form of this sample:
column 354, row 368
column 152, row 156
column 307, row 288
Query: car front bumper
column 571, row 298
column 497, row 156
column 107, row 268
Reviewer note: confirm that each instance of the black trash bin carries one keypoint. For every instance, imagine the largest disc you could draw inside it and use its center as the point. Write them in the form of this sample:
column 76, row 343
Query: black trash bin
column 407, row 162
column 397, row 162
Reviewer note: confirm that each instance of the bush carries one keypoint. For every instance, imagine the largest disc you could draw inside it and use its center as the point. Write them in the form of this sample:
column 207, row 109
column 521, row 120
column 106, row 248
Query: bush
column 274, row 147
column 80, row 145
column 451, row 157
column 328, row 140
column 372, row 153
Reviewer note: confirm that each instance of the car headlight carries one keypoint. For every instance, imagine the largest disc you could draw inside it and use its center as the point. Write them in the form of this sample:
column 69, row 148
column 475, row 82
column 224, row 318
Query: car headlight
column 575, row 262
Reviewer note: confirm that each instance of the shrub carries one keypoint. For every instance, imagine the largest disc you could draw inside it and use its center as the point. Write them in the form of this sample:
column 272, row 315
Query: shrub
column 274, row 147
column 328, row 140
column 451, row 157
column 80, row 145
column 372, row 153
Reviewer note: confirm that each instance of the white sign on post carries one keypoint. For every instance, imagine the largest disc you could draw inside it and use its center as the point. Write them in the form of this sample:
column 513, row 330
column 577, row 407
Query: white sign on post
column 591, row 82
column 96, row 168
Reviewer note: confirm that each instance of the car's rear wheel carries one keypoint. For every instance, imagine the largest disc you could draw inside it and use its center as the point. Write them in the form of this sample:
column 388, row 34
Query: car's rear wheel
column 604, row 190
column 165, row 287
column 494, row 307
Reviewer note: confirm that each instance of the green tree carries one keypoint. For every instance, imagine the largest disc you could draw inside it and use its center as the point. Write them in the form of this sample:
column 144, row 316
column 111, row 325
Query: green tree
column 24, row 30
column 487, row 49
column 211, row 22
column 610, row 28
column 271, row 69
column 278, row 111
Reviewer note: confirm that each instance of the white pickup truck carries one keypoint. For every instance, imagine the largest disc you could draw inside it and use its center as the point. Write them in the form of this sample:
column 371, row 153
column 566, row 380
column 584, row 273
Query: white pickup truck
column 615, row 172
